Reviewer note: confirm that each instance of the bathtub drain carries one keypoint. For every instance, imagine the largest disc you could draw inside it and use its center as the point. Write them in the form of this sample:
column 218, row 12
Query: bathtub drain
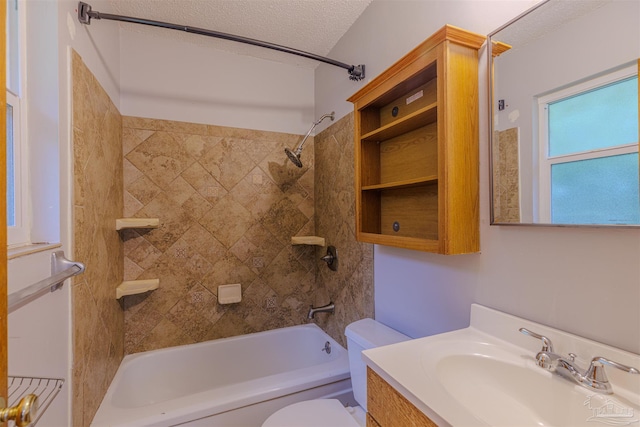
column 327, row 347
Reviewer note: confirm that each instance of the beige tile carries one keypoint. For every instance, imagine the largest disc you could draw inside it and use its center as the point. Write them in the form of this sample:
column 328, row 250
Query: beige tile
column 174, row 221
column 164, row 334
column 189, row 320
column 228, row 270
column 284, row 220
column 131, row 205
column 143, row 189
column 203, row 242
column 98, row 178
column 285, row 274
column 144, row 255
column 195, row 145
column 259, row 149
column 179, row 191
column 160, row 158
column 230, row 325
column 243, row 249
column 196, row 207
column 131, row 138
column 131, row 269
column 130, row 173
column 227, row 162
column 204, row 183
column 227, row 220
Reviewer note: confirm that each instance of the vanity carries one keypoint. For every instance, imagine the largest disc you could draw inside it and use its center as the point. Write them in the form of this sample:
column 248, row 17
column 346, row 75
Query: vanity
column 500, row 371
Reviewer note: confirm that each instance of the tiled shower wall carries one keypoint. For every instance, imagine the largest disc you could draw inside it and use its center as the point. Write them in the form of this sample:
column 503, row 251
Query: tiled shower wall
column 506, row 176
column 228, row 201
column 98, row 323
column 351, row 286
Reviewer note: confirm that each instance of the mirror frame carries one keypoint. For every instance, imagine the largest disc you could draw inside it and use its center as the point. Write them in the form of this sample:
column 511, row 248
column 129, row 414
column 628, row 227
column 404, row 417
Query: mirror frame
column 495, row 48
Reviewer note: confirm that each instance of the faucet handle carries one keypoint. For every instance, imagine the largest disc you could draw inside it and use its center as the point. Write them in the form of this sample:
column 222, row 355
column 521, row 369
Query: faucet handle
column 596, row 368
column 597, row 378
column 547, row 345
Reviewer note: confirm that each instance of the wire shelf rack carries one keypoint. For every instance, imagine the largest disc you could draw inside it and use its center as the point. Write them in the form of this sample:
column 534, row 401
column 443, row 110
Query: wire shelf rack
column 45, row 388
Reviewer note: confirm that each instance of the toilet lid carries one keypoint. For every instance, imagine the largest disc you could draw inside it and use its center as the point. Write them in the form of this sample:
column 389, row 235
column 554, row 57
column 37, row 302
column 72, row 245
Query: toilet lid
column 312, row 413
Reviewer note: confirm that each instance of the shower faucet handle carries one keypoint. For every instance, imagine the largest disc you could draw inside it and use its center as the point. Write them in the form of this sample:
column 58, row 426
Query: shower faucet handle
column 331, row 258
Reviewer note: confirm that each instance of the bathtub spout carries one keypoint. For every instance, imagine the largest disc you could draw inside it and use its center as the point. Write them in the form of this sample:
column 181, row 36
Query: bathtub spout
column 329, row 308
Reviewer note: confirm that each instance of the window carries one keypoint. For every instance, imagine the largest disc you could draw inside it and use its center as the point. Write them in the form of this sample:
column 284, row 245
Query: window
column 589, row 152
column 17, row 211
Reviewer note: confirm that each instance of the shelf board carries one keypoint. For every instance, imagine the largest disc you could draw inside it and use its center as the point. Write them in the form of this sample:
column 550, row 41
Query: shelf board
column 308, row 240
column 133, row 287
column 413, row 121
column 122, row 223
column 417, row 243
column 416, row 182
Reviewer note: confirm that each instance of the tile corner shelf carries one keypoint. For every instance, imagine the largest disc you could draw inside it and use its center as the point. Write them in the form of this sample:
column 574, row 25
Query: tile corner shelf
column 134, row 287
column 124, row 223
column 308, row 240
column 416, row 148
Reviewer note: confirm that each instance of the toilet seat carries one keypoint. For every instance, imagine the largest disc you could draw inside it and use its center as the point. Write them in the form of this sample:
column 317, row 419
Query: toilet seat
column 313, row 413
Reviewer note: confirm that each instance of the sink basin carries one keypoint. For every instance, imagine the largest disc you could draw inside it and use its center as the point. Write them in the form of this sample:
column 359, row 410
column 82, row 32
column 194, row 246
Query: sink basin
column 483, row 376
column 504, row 392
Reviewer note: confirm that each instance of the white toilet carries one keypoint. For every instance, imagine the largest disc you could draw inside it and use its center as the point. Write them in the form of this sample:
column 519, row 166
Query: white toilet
column 361, row 335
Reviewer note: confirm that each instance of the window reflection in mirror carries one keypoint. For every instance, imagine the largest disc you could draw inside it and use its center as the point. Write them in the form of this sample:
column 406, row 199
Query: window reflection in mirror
column 564, row 144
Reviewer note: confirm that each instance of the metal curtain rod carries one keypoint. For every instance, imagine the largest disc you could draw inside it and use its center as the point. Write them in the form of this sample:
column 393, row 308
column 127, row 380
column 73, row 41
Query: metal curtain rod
column 85, row 13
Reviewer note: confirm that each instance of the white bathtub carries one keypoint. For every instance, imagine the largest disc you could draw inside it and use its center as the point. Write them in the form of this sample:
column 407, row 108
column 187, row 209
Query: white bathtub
column 236, row 381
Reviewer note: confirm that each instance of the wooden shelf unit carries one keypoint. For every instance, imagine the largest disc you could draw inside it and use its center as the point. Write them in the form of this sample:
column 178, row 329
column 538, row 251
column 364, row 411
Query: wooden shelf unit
column 416, row 148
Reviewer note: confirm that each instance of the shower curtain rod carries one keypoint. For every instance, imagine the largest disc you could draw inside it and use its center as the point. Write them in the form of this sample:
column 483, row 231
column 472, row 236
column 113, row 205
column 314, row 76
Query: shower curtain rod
column 85, row 13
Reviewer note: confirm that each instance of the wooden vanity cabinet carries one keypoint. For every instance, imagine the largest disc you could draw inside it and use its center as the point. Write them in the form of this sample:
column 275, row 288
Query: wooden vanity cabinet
column 388, row 408
column 416, row 148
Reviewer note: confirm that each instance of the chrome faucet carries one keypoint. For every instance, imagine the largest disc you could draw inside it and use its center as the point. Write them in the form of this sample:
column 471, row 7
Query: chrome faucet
column 594, row 377
column 329, row 308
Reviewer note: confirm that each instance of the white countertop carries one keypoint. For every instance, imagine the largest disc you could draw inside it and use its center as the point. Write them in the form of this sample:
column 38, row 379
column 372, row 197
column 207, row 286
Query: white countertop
column 416, row 369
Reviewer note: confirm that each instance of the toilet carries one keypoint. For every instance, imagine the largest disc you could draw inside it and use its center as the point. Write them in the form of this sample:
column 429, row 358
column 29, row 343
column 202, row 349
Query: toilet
column 361, row 335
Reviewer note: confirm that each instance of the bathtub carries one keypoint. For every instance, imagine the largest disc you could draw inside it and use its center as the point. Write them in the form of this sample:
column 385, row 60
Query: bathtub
column 236, row 381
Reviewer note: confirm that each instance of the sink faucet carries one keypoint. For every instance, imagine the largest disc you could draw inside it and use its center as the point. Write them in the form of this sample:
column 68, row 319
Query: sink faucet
column 594, row 377
column 329, row 308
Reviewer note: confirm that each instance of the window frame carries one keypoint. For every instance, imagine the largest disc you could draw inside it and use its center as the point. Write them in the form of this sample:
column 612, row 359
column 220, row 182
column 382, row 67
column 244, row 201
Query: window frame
column 545, row 162
column 20, row 234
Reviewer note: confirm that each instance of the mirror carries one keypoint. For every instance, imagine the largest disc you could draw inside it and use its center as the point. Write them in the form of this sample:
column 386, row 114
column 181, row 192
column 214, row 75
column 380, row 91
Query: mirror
column 564, row 115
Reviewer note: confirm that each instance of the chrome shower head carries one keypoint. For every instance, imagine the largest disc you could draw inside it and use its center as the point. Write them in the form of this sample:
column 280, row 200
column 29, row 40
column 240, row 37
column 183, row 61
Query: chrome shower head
column 295, row 158
column 294, row 155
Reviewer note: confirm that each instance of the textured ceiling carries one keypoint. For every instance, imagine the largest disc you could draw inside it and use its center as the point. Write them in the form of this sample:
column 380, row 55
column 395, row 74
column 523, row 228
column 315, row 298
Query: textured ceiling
column 313, row 26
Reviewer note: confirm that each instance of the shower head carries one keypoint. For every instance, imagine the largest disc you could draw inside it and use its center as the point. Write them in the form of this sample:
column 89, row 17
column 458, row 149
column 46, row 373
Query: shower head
column 295, row 158
column 294, row 155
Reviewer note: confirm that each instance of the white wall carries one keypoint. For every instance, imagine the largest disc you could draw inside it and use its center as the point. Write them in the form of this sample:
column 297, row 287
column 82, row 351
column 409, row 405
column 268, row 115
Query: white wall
column 583, row 280
column 39, row 333
column 171, row 79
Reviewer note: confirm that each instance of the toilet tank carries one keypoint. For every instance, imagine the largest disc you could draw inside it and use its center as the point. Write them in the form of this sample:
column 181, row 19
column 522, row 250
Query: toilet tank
column 363, row 335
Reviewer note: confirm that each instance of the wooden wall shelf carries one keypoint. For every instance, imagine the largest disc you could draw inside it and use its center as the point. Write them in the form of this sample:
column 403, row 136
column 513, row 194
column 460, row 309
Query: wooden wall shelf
column 416, row 148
